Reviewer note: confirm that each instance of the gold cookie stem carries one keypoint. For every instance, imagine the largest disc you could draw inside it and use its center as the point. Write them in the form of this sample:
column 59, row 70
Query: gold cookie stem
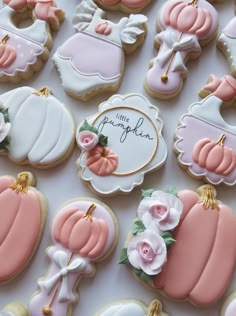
column 155, row 309
column 21, row 184
column 5, row 39
column 221, row 140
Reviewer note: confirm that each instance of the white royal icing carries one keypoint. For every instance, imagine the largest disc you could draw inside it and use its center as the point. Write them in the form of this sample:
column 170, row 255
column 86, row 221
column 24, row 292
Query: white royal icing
column 42, row 129
column 124, row 309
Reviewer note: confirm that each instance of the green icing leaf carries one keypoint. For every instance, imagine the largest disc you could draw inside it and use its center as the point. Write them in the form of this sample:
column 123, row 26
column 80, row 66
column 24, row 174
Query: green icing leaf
column 172, row 191
column 124, row 256
column 88, row 127
column 5, row 115
column 144, row 276
column 138, row 227
column 102, row 140
column 4, row 145
column 168, row 238
column 147, row 193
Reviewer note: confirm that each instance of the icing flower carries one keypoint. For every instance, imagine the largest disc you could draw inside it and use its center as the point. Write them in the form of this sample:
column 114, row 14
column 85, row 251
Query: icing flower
column 87, row 140
column 147, row 252
column 4, row 128
column 160, row 212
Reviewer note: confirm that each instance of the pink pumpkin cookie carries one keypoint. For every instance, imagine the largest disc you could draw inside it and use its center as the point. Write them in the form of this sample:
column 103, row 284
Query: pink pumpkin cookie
column 205, row 143
column 14, row 309
column 229, row 306
column 184, row 26
column 85, row 73
column 132, row 308
column 127, row 6
column 112, row 143
column 20, row 203
column 35, row 127
column 84, row 231
column 179, row 243
column 24, row 50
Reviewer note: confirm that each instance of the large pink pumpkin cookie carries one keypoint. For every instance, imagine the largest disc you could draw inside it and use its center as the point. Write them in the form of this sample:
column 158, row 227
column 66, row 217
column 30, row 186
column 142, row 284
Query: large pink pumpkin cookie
column 130, row 6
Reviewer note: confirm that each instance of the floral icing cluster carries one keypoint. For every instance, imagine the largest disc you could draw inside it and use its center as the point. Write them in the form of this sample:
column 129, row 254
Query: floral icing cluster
column 5, row 127
column 101, row 160
column 146, row 250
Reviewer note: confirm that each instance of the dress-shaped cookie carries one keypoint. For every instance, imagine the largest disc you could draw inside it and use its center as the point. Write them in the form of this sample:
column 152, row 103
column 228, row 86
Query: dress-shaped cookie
column 205, row 143
column 184, row 26
column 127, row 6
column 84, row 73
column 133, row 308
column 113, row 158
column 20, row 203
column 179, row 244
column 84, row 231
column 35, row 128
column 23, row 50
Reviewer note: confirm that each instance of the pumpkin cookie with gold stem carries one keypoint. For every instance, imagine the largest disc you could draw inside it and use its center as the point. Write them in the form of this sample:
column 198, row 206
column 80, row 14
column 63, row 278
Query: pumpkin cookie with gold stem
column 35, row 127
column 84, row 231
column 20, row 203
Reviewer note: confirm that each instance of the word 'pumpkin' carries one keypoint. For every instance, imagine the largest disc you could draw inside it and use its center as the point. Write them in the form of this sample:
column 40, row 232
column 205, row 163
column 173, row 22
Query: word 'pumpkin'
column 20, row 203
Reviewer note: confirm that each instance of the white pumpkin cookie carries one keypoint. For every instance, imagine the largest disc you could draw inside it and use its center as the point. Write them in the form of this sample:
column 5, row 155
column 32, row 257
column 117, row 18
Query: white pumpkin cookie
column 84, row 73
column 84, row 231
column 20, row 203
column 113, row 158
column 229, row 306
column 127, row 6
column 24, row 50
column 133, row 308
column 14, row 309
column 35, row 128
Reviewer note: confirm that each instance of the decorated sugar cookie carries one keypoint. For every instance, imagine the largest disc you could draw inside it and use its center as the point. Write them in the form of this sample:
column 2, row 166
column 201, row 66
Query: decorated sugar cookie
column 23, row 50
column 179, row 242
column 185, row 25
column 14, row 309
column 84, row 73
column 229, row 306
column 133, row 308
column 84, row 232
column 227, row 44
column 20, row 203
column 205, row 143
column 113, row 158
column 126, row 6
column 35, row 128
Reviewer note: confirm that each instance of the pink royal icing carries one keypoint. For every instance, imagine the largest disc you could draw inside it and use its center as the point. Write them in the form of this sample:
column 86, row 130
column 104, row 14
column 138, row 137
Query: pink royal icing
column 133, row 4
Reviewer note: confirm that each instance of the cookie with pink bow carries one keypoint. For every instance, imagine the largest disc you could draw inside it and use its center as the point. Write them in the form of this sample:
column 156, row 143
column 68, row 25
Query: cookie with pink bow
column 127, row 6
column 23, row 51
column 84, row 231
column 185, row 27
column 205, row 143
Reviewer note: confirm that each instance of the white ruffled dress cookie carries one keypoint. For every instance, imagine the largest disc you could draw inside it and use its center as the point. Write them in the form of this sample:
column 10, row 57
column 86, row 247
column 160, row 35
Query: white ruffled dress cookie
column 85, row 73
column 113, row 158
column 35, row 128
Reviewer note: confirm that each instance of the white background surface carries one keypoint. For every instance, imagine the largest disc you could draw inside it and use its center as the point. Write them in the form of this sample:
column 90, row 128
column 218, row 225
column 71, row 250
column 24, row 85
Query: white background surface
column 112, row 281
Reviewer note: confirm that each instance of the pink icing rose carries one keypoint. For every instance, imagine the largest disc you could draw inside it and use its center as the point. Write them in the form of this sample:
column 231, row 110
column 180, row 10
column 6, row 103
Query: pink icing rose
column 160, row 212
column 87, row 140
column 4, row 128
column 147, row 252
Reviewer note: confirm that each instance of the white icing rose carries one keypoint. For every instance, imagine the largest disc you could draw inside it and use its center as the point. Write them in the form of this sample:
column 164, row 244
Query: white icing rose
column 4, row 128
column 87, row 140
column 161, row 211
column 147, row 251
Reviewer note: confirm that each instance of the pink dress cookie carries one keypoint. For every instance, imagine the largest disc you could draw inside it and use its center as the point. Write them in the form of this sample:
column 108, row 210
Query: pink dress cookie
column 84, row 73
column 184, row 26
column 127, row 6
column 179, row 243
column 23, row 50
column 205, row 143
column 84, row 231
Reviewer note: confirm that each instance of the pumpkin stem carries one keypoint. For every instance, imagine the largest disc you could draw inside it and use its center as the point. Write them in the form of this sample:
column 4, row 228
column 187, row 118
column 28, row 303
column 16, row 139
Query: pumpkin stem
column 88, row 214
column 21, row 184
column 209, row 200
column 193, row 2
column 155, row 309
column 5, row 39
column 221, row 140
column 45, row 92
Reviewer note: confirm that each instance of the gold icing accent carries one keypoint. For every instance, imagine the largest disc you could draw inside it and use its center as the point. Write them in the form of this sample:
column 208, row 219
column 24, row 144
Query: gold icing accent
column 21, row 184
column 221, row 140
column 193, row 3
column 47, row 311
column 155, row 309
column 209, row 198
column 88, row 215
column 5, row 39
column 44, row 91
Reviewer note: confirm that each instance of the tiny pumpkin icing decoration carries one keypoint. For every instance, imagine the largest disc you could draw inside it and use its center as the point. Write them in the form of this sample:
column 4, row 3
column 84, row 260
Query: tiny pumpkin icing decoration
column 205, row 143
column 20, row 203
column 203, row 237
column 133, row 308
column 84, row 231
column 35, row 127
